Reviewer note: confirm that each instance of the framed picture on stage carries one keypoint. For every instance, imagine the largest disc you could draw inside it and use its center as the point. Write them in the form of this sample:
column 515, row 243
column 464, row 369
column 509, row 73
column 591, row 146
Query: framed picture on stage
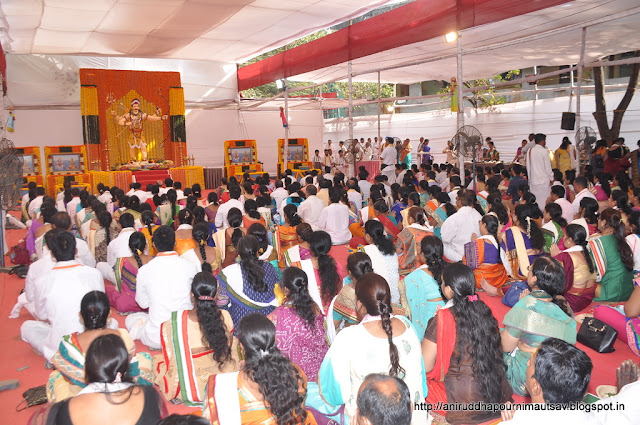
column 66, row 163
column 241, row 155
column 28, row 166
column 296, row 153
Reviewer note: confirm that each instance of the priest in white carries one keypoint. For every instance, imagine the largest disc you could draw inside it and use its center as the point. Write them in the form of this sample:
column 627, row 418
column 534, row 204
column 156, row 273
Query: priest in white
column 539, row 170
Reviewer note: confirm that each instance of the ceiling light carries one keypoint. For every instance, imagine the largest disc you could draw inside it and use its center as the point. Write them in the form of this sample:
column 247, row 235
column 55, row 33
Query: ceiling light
column 450, row 37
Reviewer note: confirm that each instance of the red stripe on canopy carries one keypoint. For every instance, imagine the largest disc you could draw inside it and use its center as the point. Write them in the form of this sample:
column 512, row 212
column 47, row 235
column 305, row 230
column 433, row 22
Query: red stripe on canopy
column 417, row 21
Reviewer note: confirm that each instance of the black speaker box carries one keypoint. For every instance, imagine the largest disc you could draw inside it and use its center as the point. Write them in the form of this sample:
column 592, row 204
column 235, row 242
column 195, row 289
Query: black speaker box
column 568, row 121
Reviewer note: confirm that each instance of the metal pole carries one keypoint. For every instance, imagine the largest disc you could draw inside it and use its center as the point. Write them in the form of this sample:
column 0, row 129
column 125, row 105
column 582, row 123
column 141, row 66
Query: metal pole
column 285, row 155
column 459, row 81
column 578, row 92
column 351, row 116
column 379, row 138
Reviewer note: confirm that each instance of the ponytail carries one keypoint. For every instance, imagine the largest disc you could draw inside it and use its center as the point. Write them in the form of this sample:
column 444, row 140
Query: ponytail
column 320, row 245
column 614, row 220
column 433, row 250
column 375, row 230
column 200, row 234
column 104, row 218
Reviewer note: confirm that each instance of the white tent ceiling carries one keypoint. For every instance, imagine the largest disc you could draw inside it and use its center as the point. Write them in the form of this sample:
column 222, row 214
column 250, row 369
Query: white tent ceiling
column 219, row 30
column 561, row 47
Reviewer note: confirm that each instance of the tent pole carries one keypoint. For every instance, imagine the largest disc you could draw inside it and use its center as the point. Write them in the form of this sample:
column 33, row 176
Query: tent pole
column 351, row 114
column 578, row 90
column 285, row 155
column 459, row 81
column 379, row 138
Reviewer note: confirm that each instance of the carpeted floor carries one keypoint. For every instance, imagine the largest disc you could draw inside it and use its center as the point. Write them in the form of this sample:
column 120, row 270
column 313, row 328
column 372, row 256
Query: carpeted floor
column 20, row 362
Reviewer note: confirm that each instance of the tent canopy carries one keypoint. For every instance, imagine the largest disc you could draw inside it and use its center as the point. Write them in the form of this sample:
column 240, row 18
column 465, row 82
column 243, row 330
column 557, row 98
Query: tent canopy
column 550, row 36
column 220, row 30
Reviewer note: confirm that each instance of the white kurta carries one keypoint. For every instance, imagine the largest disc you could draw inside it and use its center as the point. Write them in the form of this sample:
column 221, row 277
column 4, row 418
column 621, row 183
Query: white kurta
column 163, row 286
column 59, row 303
column 334, row 220
column 221, row 216
column 540, row 173
column 456, row 231
column 310, row 210
column 389, row 156
column 584, row 193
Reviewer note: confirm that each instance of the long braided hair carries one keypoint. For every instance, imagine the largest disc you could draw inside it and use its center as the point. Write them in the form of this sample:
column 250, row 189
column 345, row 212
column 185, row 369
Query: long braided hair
column 137, row 244
column 372, row 290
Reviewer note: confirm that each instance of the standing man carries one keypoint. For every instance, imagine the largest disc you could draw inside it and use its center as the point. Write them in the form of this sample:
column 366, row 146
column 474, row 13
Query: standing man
column 389, row 157
column 539, row 170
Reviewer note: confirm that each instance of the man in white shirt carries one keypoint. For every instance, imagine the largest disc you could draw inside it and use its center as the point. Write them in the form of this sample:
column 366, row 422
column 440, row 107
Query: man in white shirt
column 62, row 221
column 557, row 196
column 334, row 219
column 441, row 174
column 389, row 155
column 353, row 195
column 278, row 195
column 163, row 286
column 72, row 205
column 118, row 248
column 317, row 159
column 233, row 202
column 141, row 194
column 368, row 150
column 340, row 164
column 365, row 186
column 458, row 229
column 539, row 170
column 177, row 186
column 59, row 302
column 36, row 204
column 311, row 208
column 168, row 184
column 581, row 186
column 455, row 187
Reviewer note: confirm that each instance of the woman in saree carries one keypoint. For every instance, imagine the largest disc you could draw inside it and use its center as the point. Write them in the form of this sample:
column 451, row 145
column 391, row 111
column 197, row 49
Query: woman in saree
column 229, row 237
column 39, row 227
column 541, row 313
column 408, row 243
column 391, row 226
column 392, row 345
column 148, row 220
column 206, row 258
column 497, row 207
column 523, row 242
column 613, row 257
column 401, row 203
column 168, row 210
column 344, row 306
column 69, row 361
column 484, row 256
column 184, row 237
column 133, row 208
column 368, row 212
column 99, row 239
column 212, row 207
column 285, row 236
column 383, row 257
column 323, row 272
column 196, row 344
column 423, row 284
column 122, row 296
column 588, row 215
column 462, row 352
column 413, row 201
column 619, row 200
column 250, row 285
column 301, row 251
column 299, row 323
column 251, row 215
column 601, row 188
column 579, row 270
column 552, row 230
column 445, row 210
column 266, row 252
column 249, row 396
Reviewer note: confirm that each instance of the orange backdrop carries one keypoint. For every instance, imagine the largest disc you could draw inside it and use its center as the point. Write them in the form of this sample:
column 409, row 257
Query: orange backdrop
column 115, row 90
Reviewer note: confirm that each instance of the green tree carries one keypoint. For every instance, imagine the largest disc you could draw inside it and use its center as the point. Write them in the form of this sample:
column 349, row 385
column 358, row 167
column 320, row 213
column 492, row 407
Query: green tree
column 489, row 97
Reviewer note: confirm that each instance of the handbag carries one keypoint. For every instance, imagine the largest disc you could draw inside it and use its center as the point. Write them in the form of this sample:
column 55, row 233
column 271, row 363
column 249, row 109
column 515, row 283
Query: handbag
column 513, row 294
column 597, row 335
column 19, row 253
column 33, row 397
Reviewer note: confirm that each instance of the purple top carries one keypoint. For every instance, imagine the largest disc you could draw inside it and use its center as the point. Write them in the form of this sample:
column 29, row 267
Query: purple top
column 30, row 239
column 305, row 346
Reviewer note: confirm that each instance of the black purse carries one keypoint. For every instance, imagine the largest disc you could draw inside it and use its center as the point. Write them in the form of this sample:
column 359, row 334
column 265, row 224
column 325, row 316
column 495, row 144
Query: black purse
column 597, row 335
column 33, row 397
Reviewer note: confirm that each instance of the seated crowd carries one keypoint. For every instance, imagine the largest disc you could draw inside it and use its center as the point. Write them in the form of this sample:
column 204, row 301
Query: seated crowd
column 295, row 302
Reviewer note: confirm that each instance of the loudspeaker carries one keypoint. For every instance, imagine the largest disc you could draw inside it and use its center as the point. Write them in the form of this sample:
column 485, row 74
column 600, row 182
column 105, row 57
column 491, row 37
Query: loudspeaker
column 568, row 121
